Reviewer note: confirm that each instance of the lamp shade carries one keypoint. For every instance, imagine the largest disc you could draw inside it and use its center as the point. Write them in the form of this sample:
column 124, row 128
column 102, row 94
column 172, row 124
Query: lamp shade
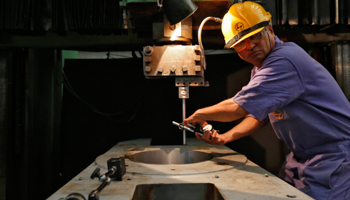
column 178, row 10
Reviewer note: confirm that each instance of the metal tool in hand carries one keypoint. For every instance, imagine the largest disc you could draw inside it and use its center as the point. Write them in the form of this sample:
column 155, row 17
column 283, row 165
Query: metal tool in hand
column 200, row 130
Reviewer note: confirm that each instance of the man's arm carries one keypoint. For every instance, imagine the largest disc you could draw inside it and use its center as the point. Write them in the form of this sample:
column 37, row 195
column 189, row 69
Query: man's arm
column 225, row 111
column 246, row 127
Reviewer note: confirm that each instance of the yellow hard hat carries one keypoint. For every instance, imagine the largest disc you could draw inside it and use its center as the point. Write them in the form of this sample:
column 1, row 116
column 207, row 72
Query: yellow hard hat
column 242, row 21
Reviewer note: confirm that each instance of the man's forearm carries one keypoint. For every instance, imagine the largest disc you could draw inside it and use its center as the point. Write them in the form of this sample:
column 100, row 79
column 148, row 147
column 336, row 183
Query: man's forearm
column 225, row 111
column 247, row 127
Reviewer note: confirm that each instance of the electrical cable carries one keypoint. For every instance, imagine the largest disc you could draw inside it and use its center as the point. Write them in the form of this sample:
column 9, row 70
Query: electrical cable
column 67, row 84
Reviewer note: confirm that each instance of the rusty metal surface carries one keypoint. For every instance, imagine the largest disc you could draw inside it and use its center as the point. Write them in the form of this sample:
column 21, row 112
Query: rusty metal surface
column 172, row 61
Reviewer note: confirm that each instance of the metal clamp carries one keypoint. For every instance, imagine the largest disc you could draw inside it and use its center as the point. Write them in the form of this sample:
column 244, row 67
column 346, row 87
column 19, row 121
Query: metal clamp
column 116, row 171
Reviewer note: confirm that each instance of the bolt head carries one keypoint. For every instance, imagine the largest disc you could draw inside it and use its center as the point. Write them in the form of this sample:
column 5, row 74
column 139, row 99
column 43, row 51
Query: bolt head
column 148, row 50
column 148, row 69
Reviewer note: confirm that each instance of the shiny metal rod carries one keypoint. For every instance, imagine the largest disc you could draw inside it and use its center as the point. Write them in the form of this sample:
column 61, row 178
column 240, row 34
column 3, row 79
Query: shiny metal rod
column 184, row 94
column 183, row 118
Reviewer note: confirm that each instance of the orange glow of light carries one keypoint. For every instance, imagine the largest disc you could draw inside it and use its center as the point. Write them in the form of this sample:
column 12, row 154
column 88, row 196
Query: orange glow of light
column 177, row 32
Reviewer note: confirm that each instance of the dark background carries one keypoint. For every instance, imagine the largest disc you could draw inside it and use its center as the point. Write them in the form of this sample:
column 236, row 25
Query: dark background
column 48, row 135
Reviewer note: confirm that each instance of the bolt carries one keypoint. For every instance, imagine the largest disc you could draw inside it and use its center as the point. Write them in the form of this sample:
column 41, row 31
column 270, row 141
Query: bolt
column 148, row 50
column 291, row 195
column 266, row 175
column 166, row 72
column 184, row 68
column 197, row 68
column 147, row 59
column 173, row 68
column 216, row 176
column 197, row 49
column 183, row 92
column 173, row 27
column 148, row 69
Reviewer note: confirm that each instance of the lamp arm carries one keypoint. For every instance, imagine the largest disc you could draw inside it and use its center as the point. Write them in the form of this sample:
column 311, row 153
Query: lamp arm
column 160, row 3
column 216, row 19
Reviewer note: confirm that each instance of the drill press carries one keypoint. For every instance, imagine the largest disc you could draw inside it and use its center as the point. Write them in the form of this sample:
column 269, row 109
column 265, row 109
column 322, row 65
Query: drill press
column 175, row 57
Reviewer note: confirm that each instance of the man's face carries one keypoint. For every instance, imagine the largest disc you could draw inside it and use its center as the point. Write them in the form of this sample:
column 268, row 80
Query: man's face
column 255, row 53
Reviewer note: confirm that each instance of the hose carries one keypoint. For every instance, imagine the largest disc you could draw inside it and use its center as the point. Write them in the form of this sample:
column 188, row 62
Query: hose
column 216, row 19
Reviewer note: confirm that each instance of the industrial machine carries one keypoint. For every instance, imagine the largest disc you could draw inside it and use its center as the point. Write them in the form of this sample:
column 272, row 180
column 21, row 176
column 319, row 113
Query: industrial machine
column 34, row 37
column 194, row 170
column 177, row 58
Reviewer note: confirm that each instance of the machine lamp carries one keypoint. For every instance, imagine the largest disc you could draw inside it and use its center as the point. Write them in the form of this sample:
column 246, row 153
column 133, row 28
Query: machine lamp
column 178, row 10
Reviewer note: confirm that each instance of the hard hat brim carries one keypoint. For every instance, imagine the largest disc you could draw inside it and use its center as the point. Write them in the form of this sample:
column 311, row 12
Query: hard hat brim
column 251, row 31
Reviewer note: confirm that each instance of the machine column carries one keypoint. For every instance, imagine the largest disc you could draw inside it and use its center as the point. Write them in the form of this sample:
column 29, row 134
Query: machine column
column 184, row 94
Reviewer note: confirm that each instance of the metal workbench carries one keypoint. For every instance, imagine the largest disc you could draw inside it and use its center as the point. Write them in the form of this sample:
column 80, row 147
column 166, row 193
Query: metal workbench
column 225, row 175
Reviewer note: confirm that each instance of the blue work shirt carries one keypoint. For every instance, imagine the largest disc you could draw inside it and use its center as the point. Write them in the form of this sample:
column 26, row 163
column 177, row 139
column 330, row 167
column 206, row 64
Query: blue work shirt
column 306, row 108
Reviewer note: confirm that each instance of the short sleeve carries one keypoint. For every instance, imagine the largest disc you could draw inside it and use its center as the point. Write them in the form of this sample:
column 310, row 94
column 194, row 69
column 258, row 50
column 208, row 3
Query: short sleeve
column 274, row 85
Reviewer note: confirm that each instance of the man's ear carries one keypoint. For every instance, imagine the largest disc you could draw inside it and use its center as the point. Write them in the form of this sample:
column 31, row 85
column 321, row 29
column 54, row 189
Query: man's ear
column 270, row 29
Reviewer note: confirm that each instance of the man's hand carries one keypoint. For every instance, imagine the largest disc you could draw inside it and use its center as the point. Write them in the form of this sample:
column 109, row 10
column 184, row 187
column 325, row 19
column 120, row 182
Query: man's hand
column 212, row 137
column 225, row 111
column 194, row 119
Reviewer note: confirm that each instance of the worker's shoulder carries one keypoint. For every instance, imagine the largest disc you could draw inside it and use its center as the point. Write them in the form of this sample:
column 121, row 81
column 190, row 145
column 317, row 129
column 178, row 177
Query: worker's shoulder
column 287, row 54
column 287, row 46
column 288, row 50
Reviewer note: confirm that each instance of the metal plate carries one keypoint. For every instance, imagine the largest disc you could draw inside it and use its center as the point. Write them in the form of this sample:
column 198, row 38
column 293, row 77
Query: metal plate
column 220, row 161
column 172, row 61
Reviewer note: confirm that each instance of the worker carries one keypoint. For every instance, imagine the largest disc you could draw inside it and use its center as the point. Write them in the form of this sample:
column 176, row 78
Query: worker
column 296, row 95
